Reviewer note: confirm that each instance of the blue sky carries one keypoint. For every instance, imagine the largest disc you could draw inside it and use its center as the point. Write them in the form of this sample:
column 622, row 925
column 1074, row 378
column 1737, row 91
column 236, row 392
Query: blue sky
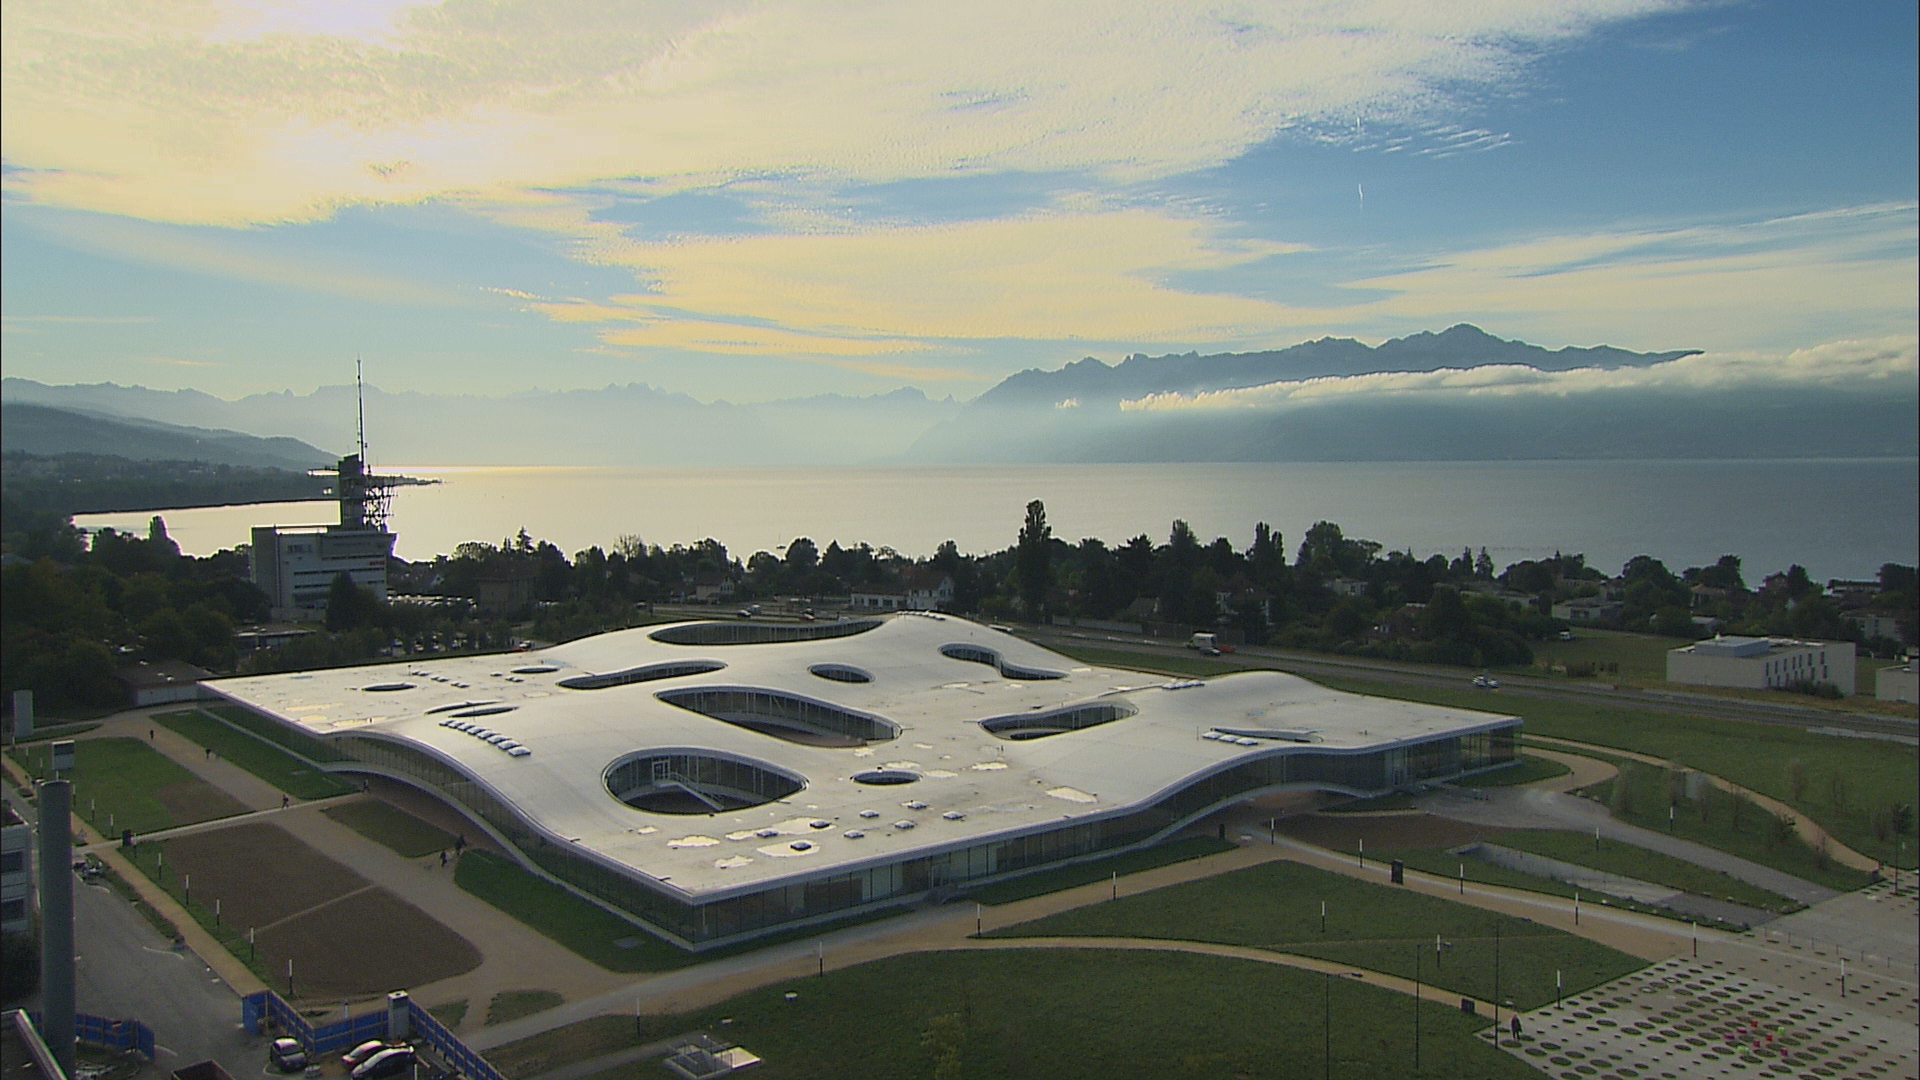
column 751, row 201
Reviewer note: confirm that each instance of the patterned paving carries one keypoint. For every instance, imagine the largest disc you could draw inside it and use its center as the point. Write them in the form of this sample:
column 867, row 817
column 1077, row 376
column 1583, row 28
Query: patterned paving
column 1750, row 1013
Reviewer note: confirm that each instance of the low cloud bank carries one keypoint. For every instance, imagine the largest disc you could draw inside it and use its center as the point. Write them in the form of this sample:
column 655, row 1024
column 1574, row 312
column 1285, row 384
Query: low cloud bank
column 1840, row 365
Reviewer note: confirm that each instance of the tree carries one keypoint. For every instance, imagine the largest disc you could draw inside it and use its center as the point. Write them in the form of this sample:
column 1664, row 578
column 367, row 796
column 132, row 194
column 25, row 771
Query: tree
column 1032, row 557
column 350, row 607
column 802, row 555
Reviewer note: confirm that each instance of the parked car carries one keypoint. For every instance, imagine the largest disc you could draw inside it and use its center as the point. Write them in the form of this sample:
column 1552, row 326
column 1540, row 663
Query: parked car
column 392, row 1061
column 287, row 1055
column 1565, row 635
column 352, row 1058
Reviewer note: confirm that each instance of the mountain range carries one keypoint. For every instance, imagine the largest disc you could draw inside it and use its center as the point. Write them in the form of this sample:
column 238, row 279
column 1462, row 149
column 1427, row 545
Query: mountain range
column 44, row 431
column 1460, row 394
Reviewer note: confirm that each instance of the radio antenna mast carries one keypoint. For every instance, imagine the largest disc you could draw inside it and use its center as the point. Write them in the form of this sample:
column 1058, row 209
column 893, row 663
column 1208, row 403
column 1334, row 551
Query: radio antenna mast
column 360, row 399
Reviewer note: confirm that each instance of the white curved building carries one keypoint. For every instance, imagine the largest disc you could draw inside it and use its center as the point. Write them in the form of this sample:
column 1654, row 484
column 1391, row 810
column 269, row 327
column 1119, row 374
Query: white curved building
column 716, row 780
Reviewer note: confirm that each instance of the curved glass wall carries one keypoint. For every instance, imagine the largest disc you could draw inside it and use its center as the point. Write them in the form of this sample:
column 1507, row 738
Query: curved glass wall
column 750, row 633
column 783, row 715
column 669, row 669
column 980, row 654
column 697, row 782
column 1038, row 725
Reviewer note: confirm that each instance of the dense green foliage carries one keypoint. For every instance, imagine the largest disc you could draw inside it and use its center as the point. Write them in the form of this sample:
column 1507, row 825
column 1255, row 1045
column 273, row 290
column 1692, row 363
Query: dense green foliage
column 1276, row 906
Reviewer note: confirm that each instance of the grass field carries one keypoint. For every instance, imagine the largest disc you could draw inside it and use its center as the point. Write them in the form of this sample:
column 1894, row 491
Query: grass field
column 514, row 1004
column 386, row 824
column 59, row 731
column 1637, row 862
column 1642, row 661
column 126, row 784
column 1067, row 1015
column 1750, row 834
column 1529, row 770
column 1041, row 882
column 1276, row 906
column 259, row 757
column 1753, row 755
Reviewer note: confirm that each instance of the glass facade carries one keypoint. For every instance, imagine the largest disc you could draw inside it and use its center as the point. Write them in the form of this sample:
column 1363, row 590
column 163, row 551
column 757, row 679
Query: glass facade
column 715, row 921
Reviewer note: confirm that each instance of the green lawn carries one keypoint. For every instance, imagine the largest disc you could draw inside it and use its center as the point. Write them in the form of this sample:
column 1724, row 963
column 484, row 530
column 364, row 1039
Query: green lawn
column 1750, row 833
column 1066, row 1015
column 1627, row 860
column 384, row 823
column 259, row 757
column 1641, row 657
column 581, row 926
column 514, row 1004
column 1398, row 800
column 126, row 784
column 1041, row 882
column 1276, row 906
column 1753, row 755
column 1530, row 769
column 59, row 731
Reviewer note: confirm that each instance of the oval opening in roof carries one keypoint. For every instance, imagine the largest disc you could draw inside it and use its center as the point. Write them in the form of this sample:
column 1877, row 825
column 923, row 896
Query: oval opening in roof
column 536, row 669
column 846, row 673
column 666, row 669
column 486, row 710
column 688, row 781
column 782, row 715
column 386, row 687
column 884, row 777
column 749, row 633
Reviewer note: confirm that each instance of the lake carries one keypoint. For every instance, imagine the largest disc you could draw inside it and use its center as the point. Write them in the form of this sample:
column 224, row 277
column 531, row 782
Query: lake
column 1839, row 518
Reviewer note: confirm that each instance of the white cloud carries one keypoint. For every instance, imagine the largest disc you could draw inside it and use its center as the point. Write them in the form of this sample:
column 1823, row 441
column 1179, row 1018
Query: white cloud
column 196, row 111
column 1889, row 363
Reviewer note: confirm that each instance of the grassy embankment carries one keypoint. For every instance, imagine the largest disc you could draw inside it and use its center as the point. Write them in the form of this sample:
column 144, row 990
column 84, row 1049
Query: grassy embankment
column 1065, row 1014
column 1872, row 774
column 392, row 827
column 1276, row 906
column 257, row 756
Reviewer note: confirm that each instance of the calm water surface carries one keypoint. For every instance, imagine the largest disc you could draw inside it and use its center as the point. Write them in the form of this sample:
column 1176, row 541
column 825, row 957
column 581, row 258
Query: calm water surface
column 1837, row 518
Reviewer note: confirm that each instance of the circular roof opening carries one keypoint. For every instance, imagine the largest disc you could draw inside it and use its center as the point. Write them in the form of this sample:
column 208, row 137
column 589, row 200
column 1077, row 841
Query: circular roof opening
column 750, row 633
column 536, row 669
column 686, row 781
column 385, row 687
column 486, row 710
column 846, row 673
column 885, row 776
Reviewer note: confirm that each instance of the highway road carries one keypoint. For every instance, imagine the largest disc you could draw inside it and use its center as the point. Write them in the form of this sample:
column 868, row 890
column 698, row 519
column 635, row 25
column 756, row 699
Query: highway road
column 1316, row 664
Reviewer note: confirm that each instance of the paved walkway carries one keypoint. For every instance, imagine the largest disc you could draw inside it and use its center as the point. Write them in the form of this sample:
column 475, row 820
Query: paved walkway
column 1586, row 771
column 251, row 791
column 1524, row 809
column 1809, row 831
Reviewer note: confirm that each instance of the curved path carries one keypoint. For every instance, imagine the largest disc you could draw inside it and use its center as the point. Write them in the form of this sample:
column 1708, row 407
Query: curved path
column 1808, row 831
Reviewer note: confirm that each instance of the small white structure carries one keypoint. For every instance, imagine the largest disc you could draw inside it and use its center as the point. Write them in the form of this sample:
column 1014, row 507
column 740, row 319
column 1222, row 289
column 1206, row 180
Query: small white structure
column 1762, row 663
column 1346, row 586
column 161, row 682
column 1587, row 610
column 1899, row 683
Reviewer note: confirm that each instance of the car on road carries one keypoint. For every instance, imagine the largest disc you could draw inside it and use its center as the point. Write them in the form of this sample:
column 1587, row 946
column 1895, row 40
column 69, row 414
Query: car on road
column 352, row 1058
column 287, row 1055
column 392, row 1061
column 1564, row 635
column 1482, row 682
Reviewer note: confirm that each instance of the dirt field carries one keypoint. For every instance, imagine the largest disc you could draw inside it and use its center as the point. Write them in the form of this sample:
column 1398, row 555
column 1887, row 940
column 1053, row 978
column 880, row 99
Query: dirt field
column 1344, row 832
column 345, row 936
column 369, row 942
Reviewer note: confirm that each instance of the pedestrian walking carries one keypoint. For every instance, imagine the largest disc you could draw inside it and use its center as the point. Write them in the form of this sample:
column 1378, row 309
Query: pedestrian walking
column 443, row 858
column 284, row 801
column 460, row 843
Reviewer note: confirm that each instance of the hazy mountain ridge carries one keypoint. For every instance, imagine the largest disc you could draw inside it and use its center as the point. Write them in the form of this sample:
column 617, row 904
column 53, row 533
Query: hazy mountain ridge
column 635, row 424
column 46, row 431
column 1464, row 345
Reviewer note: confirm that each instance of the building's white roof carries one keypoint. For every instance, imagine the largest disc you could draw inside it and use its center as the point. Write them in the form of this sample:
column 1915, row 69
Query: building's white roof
column 999, row 786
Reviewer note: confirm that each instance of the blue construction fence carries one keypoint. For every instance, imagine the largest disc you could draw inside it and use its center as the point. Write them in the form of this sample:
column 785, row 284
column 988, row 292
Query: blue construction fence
column 351, row 1031
column 117, row 1034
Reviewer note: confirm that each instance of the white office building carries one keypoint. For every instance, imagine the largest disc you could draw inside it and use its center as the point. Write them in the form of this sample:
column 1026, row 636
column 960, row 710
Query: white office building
column 296, row 566
column 1762, row 663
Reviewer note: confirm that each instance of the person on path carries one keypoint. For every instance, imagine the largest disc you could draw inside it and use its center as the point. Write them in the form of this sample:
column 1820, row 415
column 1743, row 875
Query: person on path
column 149, row 734
column 284, row 800
column 443, row 858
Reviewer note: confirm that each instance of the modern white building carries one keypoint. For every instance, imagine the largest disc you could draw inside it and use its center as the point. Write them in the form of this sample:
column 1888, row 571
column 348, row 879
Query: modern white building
column 1762, row 663
column 1900, row 683
column 16, row 873
column 296, row 566
column 1588, row 610
column 718, row 780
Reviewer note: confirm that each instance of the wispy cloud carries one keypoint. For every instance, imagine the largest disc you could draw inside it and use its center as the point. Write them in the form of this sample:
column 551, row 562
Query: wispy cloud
column 1890, row 364
column 81, row 319
column 181, row 112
